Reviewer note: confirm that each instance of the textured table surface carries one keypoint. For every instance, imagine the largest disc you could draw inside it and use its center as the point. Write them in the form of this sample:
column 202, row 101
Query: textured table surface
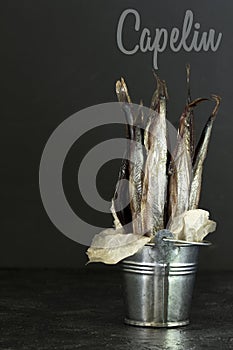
column 68, row 309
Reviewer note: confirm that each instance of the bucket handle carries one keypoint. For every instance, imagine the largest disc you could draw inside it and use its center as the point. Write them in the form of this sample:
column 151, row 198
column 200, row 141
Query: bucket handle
column 203, row 243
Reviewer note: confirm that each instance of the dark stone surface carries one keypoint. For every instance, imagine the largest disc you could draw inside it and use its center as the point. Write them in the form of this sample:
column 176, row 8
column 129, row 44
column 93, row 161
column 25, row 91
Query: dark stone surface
column 68, row 309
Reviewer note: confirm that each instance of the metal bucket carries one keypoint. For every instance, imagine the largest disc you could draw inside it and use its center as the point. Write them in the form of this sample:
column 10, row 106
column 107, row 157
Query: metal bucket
column 158, row 286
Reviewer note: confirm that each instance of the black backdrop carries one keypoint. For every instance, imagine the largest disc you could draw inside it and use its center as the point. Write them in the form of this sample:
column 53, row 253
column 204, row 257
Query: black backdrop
column 58, row 57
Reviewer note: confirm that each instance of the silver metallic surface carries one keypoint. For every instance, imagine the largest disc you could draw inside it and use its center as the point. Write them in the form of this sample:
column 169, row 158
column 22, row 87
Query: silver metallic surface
column 158, row 287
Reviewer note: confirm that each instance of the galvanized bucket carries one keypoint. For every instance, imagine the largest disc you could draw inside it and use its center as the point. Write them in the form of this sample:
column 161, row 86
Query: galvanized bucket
column 158, row 285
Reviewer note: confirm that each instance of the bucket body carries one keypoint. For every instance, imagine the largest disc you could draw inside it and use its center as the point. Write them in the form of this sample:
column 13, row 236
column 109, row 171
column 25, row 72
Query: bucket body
column 158, row 287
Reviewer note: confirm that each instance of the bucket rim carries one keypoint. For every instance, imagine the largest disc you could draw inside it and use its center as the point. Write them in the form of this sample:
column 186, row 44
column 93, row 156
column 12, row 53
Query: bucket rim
column 182, row 243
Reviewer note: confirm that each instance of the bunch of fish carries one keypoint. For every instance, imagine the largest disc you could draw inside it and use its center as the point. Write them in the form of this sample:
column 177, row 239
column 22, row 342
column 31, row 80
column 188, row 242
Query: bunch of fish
column 160, row 186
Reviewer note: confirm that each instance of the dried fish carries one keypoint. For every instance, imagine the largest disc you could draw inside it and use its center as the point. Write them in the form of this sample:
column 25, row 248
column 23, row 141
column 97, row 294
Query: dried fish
column 136, row 167
column 133, row 163
column 147, row 191
column 123, row 97
column 190, row 120
column 200, row 155
column 185, row 128
column 155, row 179
column 123, row 215
column 179, row 182
column 158, row 102
column 122, row 91
column 180, row 169
column 147, row 172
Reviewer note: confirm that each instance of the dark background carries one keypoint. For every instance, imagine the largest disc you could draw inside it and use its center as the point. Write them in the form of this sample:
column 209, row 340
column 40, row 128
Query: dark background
column 58, row 57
